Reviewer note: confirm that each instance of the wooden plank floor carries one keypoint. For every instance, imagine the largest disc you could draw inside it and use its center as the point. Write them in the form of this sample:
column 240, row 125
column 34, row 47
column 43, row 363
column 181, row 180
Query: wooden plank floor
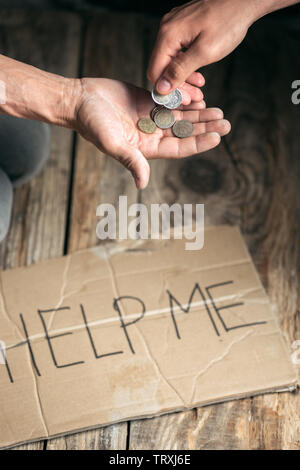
column 252, row 180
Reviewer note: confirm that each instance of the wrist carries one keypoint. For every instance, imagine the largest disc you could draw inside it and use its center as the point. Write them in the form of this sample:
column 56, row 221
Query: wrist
column 264, row 7
column 71, row 92
column 258, row 9
column 55, row 101
column 31, row 93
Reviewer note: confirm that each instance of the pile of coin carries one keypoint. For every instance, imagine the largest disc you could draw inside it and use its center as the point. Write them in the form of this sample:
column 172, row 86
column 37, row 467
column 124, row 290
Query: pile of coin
column 161, row 115
column 171, row 101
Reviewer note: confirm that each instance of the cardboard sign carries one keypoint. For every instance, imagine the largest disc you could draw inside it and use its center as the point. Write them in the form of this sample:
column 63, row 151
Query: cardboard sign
column 134, row 330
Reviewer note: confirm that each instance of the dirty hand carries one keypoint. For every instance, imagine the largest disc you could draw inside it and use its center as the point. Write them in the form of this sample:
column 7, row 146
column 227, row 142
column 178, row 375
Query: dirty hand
column 208, row 30
column 107, row 115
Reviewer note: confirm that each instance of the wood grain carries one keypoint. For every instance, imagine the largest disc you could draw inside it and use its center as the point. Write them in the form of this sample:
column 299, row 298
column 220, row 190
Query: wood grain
column 40, row 207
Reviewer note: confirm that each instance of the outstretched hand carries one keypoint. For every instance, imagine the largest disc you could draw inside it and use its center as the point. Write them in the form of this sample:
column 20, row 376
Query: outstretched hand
column 107, row 115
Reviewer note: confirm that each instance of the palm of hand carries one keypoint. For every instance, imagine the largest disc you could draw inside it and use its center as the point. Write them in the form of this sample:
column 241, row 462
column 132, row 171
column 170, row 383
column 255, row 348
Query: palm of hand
column 108, row 116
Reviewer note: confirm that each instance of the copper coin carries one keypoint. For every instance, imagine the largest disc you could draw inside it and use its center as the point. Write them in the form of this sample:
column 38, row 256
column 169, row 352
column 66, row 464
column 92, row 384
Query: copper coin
column 146, row 125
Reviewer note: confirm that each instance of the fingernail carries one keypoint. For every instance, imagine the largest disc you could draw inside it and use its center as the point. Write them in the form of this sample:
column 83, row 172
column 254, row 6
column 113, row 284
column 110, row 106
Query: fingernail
column 163, row 85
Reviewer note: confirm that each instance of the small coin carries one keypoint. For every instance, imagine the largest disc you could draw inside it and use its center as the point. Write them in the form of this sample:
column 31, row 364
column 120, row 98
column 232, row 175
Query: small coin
column 154, row 111
column 183, row 129
column 170, row 101
column 160, row 99
column 164, row 118
column 146, row 125
column 175, row 100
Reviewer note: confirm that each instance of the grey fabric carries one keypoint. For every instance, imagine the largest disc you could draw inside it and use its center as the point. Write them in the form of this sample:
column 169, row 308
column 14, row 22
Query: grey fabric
column 6, row 199
column 24, row 149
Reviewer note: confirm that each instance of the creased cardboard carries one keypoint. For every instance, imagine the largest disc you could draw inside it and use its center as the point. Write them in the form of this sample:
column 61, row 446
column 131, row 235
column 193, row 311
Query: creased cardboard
column 134, row 330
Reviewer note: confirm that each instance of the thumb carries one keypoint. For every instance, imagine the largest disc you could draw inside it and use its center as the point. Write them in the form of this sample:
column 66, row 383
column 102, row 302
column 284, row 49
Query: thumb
column 137, row 164
column 180, row 68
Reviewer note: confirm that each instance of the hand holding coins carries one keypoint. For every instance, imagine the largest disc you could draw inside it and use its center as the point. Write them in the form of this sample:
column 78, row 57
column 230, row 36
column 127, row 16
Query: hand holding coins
column 116, row 118
column 161, row 116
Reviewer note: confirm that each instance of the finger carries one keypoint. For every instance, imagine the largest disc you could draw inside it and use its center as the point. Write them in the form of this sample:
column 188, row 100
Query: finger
column 186, row 99
column 137, row 164
column 196, row 78
column 163, row 51
column 201, row 115
column 159, row 60
column 221, row 126
column 193, row 106
column 172, row 147
column 180, row 67
column 194, row 92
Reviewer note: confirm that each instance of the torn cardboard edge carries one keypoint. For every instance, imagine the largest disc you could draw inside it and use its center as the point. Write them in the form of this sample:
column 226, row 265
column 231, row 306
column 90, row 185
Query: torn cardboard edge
column 149, row 377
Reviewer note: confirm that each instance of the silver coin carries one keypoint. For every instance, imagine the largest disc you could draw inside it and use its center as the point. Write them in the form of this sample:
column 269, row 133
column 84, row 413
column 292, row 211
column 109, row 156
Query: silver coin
column 170, row 101
column 160, row 99
column 175, row 101
column 164, row 118
column 183, row 129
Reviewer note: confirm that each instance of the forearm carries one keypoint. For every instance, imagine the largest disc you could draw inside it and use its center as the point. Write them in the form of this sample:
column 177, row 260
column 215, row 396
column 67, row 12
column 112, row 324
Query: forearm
column 30, row 93
column 264, row 7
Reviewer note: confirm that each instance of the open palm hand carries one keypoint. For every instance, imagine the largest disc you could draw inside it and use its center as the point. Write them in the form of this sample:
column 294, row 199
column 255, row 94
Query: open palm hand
column 107, row 116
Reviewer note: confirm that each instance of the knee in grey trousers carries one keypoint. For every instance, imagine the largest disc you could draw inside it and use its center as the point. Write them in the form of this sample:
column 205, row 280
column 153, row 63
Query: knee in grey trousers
column 24, row 150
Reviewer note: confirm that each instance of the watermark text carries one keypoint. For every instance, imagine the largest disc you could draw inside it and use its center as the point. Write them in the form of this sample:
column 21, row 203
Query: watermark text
column 138, row 222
